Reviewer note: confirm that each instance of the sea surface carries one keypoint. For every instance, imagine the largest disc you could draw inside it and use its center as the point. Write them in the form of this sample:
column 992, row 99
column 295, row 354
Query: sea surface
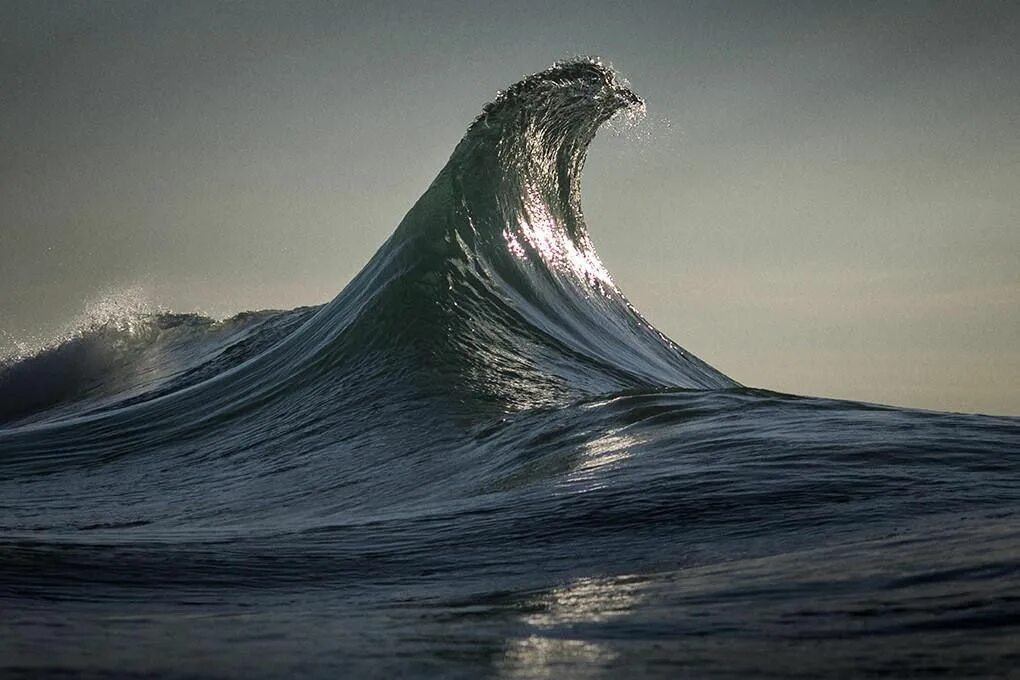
column 479, row 460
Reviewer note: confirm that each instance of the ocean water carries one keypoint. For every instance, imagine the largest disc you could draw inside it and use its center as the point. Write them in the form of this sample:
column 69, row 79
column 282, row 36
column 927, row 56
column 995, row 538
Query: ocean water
column 479, row 460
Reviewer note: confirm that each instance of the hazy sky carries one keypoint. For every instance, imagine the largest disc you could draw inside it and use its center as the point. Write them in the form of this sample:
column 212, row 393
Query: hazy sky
column 824, row 200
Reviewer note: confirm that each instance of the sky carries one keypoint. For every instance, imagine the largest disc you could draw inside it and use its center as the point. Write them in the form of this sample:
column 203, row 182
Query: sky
column 824, row 198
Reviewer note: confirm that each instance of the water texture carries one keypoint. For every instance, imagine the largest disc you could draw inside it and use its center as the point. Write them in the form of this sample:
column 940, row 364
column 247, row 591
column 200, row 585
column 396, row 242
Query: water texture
column 479, row 460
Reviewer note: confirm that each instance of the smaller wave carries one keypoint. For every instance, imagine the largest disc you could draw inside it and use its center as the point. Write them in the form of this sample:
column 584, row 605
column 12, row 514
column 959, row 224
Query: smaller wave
column 122, row 348
column 43, row 372
column 121, row 310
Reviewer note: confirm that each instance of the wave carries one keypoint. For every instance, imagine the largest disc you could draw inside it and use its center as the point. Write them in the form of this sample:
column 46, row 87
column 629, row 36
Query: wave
column 129, row 357
column 488, row 292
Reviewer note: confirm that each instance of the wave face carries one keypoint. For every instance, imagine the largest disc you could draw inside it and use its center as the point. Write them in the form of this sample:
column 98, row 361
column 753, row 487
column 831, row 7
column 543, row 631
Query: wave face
column 479, row 459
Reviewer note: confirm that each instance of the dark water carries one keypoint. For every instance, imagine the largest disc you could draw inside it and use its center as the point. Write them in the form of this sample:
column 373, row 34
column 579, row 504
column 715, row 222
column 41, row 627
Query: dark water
column 480, row 460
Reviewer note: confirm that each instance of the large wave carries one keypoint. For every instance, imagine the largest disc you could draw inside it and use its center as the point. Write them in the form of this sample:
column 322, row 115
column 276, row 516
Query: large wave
column 489, row 295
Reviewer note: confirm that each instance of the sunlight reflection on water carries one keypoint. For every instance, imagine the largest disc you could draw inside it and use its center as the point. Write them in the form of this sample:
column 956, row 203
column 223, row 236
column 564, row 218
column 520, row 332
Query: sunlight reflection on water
column 552, row 646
